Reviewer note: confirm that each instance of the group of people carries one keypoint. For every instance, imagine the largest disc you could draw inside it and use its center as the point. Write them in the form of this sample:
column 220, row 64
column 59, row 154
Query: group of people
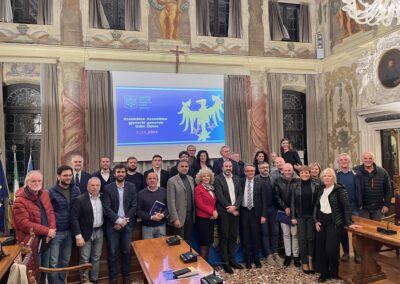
column 247, row 200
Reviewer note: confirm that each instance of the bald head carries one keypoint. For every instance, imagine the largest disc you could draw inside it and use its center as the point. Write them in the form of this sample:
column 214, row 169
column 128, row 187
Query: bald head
column 279, row 162
column 287, row 170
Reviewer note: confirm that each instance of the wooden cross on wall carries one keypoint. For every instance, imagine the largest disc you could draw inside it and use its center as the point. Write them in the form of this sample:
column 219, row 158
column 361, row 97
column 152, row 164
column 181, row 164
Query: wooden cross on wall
column 177, row 53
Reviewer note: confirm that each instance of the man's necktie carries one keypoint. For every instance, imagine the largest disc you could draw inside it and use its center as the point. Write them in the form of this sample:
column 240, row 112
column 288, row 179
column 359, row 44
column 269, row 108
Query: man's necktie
column 77, row 181
column 249, row 196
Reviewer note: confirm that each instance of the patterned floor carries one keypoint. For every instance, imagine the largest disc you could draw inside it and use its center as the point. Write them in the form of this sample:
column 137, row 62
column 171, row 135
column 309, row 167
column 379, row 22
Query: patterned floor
column 272, row 275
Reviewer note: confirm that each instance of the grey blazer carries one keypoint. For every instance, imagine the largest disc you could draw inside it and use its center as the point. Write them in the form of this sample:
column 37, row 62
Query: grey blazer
column 177, row 198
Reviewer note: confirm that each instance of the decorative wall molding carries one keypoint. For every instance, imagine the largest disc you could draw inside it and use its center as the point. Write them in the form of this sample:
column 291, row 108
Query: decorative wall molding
column 31, row 33
column 371, row 91
column 289, row 49
column 220, row 45
column 115, row 38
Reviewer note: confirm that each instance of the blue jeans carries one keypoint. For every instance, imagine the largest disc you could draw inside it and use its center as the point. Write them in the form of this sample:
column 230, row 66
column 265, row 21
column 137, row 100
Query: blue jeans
column 153, row 232
column 270, row 233
column 44, row 259
column 119, row 241
column 60, row 252
column 92, row 251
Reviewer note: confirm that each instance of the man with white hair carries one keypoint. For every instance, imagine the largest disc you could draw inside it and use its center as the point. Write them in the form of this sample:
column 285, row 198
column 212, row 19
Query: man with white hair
column 351, row 181
column 376, row 189
column 32, row 210
column 274, row 174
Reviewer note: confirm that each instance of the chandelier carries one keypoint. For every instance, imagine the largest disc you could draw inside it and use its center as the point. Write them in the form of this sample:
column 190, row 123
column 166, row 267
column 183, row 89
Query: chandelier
column 373, row 12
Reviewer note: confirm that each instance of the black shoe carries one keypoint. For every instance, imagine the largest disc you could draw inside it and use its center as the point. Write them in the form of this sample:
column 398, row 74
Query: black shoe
column 312, row 271
column 236, row 265
column 258, row 264
column 296, row 261
column 248, row 264
column 287, row 260
column 323, row 278
column 357, row 258
column 227, row 268
column 306, row 271
column 345, row 257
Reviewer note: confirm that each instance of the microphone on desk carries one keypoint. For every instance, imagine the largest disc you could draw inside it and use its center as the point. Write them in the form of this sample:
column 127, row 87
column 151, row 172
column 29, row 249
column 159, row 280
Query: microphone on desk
column 189, row 256
column 212, row 278
column 386, row 231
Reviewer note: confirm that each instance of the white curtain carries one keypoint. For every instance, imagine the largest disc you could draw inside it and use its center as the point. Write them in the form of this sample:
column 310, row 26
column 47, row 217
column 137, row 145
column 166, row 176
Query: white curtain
column 132, row 15
column 45, row 12
column 97, row 17
column 277, row 28
column 275, row 109
column 235, row 19
column 2, row 130
column 6, row 13
column 237, row 132
column 304, row 24
column 50, row 155
column 203, row 18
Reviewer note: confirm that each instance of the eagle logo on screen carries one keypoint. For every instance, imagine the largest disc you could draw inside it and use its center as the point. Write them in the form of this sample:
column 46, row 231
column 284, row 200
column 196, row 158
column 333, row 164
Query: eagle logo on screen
column 203, row 120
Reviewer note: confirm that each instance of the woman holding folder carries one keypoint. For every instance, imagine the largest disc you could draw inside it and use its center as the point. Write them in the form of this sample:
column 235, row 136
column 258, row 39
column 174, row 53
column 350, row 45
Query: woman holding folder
column 206, row 212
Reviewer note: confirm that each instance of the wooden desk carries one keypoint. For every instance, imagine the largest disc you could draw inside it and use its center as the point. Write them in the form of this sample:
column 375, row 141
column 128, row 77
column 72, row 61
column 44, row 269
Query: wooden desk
column 7, row 261
column 368, row 242
column 155, row 256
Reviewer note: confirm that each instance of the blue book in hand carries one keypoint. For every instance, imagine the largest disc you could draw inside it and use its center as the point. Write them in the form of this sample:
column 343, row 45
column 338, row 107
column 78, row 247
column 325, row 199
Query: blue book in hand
column 158, row 207
column 283, row 218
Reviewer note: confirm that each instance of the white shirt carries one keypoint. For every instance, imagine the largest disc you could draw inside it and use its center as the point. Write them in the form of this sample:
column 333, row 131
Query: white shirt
column 231, row 188
column 324, row 201
column 105, row 174
column 97, row 211
column 158, row 173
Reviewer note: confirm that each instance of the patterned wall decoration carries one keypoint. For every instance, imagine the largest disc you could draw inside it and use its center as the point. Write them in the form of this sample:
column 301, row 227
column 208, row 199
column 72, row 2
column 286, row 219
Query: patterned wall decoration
column 21, row 73
column 72, row 112
column 374, row 66
column 291, row 49
column 258, row 114
column 169, row 20
column 341, row 87
column 341, row 25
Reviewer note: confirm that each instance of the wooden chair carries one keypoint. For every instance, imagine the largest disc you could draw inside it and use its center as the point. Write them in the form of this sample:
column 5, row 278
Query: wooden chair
column 29, row 257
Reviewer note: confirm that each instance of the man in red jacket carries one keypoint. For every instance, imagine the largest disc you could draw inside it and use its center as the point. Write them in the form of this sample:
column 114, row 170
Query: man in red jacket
column 32, row 209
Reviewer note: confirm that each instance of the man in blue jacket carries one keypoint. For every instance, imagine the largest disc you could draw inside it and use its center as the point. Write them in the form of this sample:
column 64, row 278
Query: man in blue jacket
column 62, row 196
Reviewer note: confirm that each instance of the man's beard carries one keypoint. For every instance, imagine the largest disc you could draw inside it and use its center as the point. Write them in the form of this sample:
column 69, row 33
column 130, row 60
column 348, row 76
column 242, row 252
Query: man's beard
column 132, row 169
column 64, row 183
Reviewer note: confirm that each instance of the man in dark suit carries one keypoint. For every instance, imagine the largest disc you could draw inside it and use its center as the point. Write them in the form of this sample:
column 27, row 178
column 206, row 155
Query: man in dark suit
column 80, row 178
column 86, row 223
column 119, row 205
column 183, row 156
column 104, row 174
column 163, row 175
column 229, row 198
column 225, row 155
column 253, row 213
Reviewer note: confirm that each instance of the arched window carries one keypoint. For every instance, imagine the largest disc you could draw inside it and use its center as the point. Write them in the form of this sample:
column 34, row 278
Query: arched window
column 294, row 121
column 22, row 117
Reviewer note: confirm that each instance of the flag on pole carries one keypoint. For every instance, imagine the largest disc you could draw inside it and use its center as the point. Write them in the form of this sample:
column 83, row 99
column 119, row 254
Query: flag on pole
column 30, row 164
column 16, row 175
column 3, row 198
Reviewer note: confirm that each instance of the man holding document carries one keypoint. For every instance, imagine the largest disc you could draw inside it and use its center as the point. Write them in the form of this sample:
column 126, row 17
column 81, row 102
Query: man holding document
column 152, row 208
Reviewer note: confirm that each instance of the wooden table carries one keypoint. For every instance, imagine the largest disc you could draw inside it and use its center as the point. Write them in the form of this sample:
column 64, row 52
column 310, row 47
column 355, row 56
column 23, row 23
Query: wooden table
column 155, row 256
column 368, row 243
column 7, row 261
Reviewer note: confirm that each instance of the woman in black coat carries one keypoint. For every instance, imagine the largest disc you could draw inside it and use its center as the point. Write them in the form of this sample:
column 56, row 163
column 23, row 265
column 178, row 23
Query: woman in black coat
column 290, row 155
column 331, row 214
column 302, row 207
